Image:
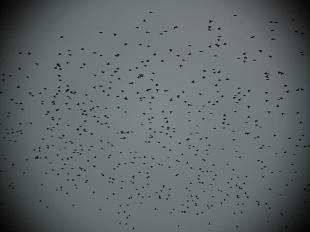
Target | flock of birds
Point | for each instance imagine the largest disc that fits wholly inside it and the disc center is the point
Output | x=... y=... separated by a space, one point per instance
x=145 y=130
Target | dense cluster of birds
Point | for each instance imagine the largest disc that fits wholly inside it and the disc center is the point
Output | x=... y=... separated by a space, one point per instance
x=141 y=128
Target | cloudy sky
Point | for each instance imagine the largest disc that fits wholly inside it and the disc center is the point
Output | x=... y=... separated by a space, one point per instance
x=154 y=115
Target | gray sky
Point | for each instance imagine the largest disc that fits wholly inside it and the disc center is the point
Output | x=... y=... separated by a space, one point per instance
x=154 y=116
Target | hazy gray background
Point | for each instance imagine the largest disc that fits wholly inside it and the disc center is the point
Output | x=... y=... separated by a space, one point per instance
x=37 y=27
